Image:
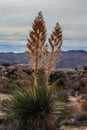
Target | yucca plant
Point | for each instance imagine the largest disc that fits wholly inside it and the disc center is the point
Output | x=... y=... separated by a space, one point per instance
x=34 y=108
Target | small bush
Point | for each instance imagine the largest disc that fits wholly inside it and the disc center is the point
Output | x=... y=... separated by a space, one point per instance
x=61 y=82
x=54 y=76
x=85 y=68
x=5 y=64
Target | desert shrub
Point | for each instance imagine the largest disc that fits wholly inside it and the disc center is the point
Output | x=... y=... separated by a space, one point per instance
x=85 y=68
x=61 y=82
x=6 y=64
x=54 y=76
x=12 y=78
x=34 y=108
x=12 y=71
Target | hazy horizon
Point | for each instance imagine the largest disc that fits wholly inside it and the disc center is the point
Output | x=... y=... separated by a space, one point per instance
x=16 y=18
x=22 y=48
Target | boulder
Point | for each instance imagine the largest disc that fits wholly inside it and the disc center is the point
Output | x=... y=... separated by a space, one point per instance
x=76 y=85
x=4 y=85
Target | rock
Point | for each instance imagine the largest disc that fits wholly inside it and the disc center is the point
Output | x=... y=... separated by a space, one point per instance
x=81 y=117
x=74 y=77
x=83 y=81
x=76 y=85
x=72 y=92
x=4 y=84
x=3 y=127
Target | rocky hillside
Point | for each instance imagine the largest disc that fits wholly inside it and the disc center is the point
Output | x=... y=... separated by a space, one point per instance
x=71 y=89
x=13 y=58
x=69 y=59
x=72 y=59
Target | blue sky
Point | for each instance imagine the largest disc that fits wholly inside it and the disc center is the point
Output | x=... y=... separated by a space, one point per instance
x=16 y=18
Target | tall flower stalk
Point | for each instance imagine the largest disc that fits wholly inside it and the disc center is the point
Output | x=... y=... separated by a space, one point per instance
x=36 y=40
x=43 y=54
x=55 y=43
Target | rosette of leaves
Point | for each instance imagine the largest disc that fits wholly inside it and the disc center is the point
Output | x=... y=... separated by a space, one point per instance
x=34 y=108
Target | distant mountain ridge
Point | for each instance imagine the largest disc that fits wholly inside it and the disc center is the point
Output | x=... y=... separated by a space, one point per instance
x=68 y=59
x=72 y=59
